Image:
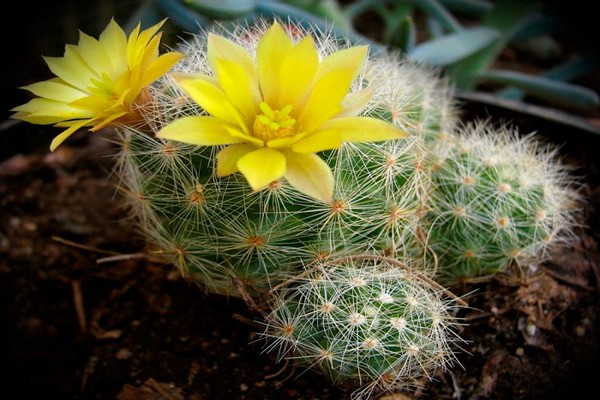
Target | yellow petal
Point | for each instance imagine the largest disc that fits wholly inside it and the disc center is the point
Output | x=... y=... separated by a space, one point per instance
x=262 y=166
x=325 y=99
x=160 y=66
x=71 y=68
x=205 y=91
x=141 y=44
x=310 y=175
x=298 y=69
x=227 y=159
x=148 y=53
x=44 y=111
x=113 y=38
x=352 y=58
x=65 y=134
x=236 y=133
x=363 y=129
x=235 y=83
x=96 y=104
x=94 y=54
x=99 y=123
x=355 y=102
x=281 y=142
x=322 y=140
x=198 y=130
x=271 y=50
x=55 y=89
x=220 y=48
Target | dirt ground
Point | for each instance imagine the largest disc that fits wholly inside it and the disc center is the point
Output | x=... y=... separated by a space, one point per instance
x=83 y=315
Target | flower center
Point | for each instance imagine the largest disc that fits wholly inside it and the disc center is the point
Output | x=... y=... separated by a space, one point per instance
x=273 y=124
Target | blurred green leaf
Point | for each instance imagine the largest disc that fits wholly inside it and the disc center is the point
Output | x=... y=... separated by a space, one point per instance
x=506 y=15
x=468 y=7
x=436 y=10
x=183 y=16
x=557 y=92
x=532 y=25
x=221 y=8
x=507 y=18
x=404 y=37
x=453 y=47
x=329 y=10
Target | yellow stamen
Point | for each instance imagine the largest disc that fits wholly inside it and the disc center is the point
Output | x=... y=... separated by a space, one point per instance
x=273 y=124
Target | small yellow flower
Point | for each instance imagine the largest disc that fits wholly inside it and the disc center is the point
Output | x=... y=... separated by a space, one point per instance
x=97 y=82
x=274 y=114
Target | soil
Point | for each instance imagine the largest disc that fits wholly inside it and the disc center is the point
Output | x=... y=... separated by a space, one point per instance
x=84 y=315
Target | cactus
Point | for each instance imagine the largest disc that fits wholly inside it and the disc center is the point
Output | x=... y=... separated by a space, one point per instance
x=497 y=197
x=368 y=322
x=217 y=228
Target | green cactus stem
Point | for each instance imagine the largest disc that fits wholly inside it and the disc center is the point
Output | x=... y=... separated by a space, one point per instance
x=497 y=197
x=216 y=228
x=369 y=322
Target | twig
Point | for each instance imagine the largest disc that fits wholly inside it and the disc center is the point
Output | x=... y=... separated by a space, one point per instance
x=246 y=321
x=122 y=257
x=90 y=366
x=239 y=285
x=295 y=278
x=79 y=308
x=114 y=256
x=82 y=246
x=276 y=374
x=566 y=279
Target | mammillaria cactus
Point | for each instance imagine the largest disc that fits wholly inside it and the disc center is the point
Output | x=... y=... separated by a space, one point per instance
x=219 y=227
x=279 y=164
x=496 y=197
x=370 y=321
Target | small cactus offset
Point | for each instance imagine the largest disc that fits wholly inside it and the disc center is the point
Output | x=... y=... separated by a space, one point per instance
x=365 y=321
x=497 y=197
x=326 y=186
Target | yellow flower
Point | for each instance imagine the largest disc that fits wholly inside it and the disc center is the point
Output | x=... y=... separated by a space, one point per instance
x=275 y=114
x=97 y=82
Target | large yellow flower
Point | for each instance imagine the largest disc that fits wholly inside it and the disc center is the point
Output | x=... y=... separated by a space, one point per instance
x=276 y=113
x=97 y=82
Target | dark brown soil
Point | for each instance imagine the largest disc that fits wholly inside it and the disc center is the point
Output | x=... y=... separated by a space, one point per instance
x=78 y=324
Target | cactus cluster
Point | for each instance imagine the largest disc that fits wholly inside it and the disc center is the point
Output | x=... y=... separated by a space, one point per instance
x=346 y=263
x=474 y=196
